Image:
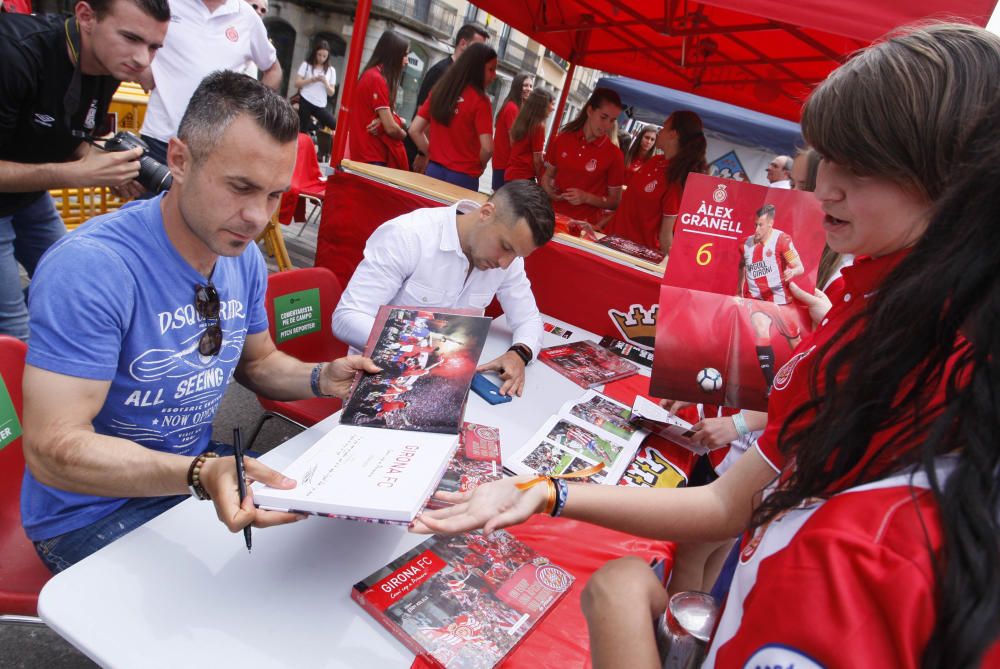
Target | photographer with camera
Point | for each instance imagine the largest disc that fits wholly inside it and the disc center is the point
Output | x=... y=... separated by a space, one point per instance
x=56 y=82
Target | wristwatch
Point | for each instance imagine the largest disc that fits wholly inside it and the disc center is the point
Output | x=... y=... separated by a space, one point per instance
x=523 y=352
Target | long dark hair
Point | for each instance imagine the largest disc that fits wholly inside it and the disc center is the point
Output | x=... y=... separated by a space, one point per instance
x=598 y=98
x=320 y=45
x=534 y=112
x=468 y=70
x=515 y=93
x=691 y=152
x=388 y=53
x=921 y=108
x=635 y=148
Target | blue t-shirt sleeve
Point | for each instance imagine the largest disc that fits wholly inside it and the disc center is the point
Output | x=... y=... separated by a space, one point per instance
x=257 y=276
x=80 y=304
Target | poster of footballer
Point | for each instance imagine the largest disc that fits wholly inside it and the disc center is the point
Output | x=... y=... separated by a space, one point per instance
x=727 y=318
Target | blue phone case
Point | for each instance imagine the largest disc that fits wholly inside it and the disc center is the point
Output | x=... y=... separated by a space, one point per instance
x=488 y=390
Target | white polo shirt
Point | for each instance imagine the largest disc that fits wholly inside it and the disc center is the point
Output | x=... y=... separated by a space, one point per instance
x=416 y=260
x=197 y=44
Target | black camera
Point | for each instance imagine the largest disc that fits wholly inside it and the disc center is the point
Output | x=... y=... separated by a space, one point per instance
x=153 y=175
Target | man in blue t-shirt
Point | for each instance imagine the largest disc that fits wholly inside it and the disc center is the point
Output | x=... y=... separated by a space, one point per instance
x=140 y=320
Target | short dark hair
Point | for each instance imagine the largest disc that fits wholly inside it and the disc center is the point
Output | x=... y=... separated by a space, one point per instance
x=526 y=199
x=767 y=210
x=158 y=9
x=223 y=96
x=469 y=30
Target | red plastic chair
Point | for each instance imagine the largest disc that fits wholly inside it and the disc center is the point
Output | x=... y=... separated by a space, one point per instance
x=22 y=573
x=308 y=185
x=316 y=346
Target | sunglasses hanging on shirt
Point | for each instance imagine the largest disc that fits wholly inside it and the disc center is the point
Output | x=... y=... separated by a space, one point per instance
x=206 y=303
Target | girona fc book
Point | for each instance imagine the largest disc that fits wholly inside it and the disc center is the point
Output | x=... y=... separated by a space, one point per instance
x=476 y=462
x=464 y=602
x=379 y=476
x=586 y=364
x=428 y=359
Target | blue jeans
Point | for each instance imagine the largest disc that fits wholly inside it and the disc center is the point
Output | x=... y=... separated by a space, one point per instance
x=67 y=549
x=24 y=236
x=498 y=179
x=439 y=171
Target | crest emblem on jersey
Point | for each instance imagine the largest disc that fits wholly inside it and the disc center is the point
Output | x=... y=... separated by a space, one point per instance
x=651 y=186
x=231 y=34
x=591 y=165
x=720 y=194
x=769 y=253
x=784 y=374
x=637 y=325
x=781 y=656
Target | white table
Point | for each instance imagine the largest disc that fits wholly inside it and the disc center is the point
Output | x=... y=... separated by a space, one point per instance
x=181 y=591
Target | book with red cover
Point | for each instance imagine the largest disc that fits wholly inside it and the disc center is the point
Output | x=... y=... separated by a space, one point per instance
x=476 y=462
x=586 y=364
x=464 y=602
x=634 y=249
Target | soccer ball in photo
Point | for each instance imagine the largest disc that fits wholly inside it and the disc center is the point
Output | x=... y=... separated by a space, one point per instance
x=709 y=379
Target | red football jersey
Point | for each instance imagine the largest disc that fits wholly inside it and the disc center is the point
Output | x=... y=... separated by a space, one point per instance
x=501 y=137
x=763 y=265
x=843 y=582
x=522 y=155
x=370 y=95
x=645 y=202
x=456 y=145
x=593 y=167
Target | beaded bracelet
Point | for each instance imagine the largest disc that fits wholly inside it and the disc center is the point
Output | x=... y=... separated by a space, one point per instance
x=741 y=424
x=194 y=476
x=562 y=494
x=314 y=380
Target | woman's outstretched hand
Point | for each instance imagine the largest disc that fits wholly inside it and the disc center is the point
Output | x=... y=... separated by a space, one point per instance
x=491 y=506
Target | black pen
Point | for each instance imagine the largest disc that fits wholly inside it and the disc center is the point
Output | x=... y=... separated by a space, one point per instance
x=241 y=477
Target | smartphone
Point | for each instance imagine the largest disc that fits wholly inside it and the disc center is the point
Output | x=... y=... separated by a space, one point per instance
x=488 y=390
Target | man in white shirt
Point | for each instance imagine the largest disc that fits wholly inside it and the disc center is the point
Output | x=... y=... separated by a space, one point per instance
x=779 y=172
x=456 y=257
x=204 y=36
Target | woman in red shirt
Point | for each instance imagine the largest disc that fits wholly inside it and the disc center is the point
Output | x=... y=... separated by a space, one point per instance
x=374 y=128
x=520 y=88
x=640 y=150
x=878 y=544
x=584 y=171
x=650 y=203
x=460 y=119
x=527 y=137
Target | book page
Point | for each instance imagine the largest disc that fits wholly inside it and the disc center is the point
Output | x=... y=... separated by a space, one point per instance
x=589 y=430
x=659 y=421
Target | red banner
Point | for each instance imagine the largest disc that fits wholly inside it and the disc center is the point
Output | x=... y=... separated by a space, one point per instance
x=727 y=320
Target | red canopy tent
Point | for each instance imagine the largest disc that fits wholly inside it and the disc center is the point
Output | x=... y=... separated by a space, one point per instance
x=765 y=55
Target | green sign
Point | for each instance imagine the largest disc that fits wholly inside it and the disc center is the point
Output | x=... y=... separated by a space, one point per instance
x=10 y=426
x=296 y=314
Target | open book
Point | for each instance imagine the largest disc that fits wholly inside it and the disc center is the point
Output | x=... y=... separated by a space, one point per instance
x=387 y=475
x=590 y=430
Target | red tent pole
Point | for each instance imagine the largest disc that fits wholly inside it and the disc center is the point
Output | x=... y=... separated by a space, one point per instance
x=562 y=101
x=350 y=80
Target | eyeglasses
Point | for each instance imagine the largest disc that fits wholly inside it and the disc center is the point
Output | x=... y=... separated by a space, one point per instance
x=260 y=8
x=206 y=303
